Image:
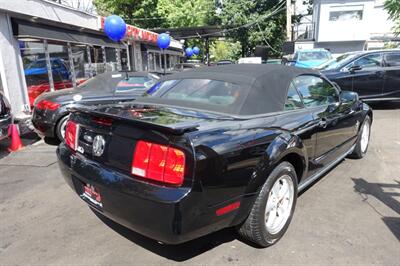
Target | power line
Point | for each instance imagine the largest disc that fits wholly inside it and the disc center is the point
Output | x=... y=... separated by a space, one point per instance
x=163 y=18
x=265 y=40
x=278 y=8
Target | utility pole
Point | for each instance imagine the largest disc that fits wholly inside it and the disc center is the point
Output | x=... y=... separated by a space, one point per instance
x=289 y=20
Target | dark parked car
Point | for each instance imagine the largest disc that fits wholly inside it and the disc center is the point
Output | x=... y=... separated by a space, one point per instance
x=374 y=75
x=212 y=148
x=225 y=62
x=186 y=66
x=51 y=110
x=5 y=116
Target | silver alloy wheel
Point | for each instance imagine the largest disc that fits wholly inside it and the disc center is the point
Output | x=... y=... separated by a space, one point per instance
x=62 y=128
x=279 y=204
x=365 y=136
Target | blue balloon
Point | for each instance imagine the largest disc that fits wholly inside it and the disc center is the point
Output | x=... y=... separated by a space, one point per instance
x=115 y=27
x=163 y=40
x=189 y=52
x=196 y=50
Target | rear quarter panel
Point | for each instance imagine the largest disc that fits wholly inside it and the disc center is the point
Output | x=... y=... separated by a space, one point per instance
x=234 y=160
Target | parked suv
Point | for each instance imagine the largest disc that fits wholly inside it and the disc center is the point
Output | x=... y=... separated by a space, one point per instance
x=5 y=116
x=374 y=75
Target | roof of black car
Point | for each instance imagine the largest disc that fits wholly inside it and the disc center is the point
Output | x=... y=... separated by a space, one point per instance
x=267 y=82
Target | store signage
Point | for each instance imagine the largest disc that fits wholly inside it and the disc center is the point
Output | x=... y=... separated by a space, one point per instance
x=135 y=33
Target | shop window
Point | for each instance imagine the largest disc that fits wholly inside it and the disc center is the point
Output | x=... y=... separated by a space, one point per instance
x=60 y=68
x=138 y=58
x=111 y=59
x=346 y=13
x=157 y=61
x=151 y=61
x=35 y=68
x=97 y=58
x=82 y=67
x=145 y=66
x=124 y=59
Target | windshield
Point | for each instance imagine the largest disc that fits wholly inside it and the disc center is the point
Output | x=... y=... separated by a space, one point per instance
x=314 y=55
x=337 y=62
x=41 y=63
x=37 y=64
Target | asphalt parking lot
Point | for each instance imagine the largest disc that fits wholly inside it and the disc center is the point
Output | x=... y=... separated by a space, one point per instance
x=350 y=216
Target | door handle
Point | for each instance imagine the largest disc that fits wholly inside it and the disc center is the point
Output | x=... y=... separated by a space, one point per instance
x=379 y=73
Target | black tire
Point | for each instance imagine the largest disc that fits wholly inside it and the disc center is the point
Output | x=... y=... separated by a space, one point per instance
x=358 y=153
x=254 y=228
x=59 y=127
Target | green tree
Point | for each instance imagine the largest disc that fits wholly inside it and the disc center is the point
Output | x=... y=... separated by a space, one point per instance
x=393 y=7
x=160 y=13
x=225 y=50
x=184 y=13
x=268 y=31
x=141 y=13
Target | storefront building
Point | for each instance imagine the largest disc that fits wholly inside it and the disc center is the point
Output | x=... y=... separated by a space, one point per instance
x=45 y=46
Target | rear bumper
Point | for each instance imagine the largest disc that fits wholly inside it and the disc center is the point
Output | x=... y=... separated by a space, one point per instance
x=44 y=124
x=170 y=215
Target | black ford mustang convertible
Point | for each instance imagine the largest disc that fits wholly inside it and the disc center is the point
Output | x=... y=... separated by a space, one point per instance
x=227 y=146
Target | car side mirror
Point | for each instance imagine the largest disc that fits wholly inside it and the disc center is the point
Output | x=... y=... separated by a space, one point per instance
x=348 y=96
x=355 y=68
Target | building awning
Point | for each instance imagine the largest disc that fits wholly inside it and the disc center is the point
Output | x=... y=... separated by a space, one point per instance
x=27 y=29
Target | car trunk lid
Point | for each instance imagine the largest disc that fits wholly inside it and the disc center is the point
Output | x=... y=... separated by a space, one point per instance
x=121 y=127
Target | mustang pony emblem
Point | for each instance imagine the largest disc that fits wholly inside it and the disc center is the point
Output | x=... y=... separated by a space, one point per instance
x=98 y=145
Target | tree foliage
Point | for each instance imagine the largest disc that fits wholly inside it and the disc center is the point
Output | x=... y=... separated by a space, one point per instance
x=393 y=8
x=270 y=31
x=160 y=13
x=189 y=13
x=145 y=10
x=184 y=13
x=225 y=50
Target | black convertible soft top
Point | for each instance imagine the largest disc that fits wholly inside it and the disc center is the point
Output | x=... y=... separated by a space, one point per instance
x=264 y=87
x=267 y=85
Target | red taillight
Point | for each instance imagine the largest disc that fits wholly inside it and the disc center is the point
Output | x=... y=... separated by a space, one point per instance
x=47 y=105
x=71 y=134
x=158 y=162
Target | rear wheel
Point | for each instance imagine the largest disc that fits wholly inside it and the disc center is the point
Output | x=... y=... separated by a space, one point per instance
x=273 y=209
x=60 y=128
x=362 y=144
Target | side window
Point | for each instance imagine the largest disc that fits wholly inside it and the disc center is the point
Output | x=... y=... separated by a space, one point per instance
x=293 y=100
x=316 y=91
x=392 y=59
x=368 y=61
